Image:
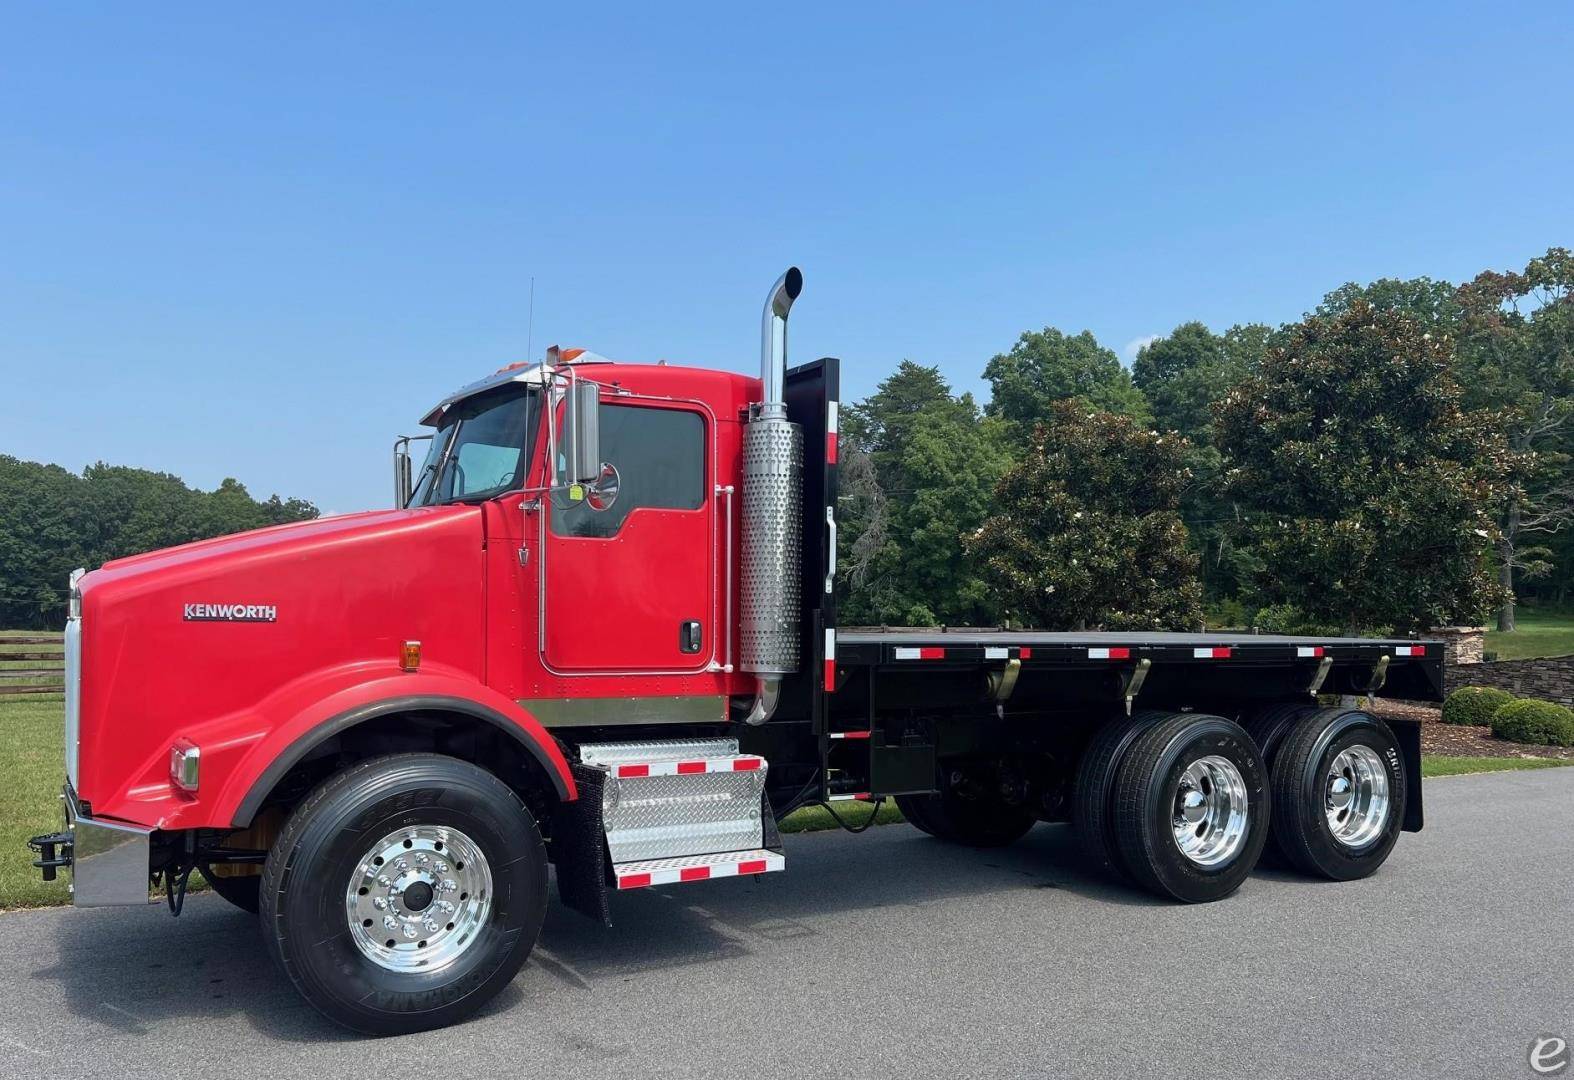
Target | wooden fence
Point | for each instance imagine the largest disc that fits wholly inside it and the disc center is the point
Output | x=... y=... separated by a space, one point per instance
x=31 y=664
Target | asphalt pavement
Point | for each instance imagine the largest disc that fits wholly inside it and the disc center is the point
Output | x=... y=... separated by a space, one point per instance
x=894 y=955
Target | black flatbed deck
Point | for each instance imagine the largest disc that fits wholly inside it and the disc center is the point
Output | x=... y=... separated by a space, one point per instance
x=1166 y=645
x=1412 y=665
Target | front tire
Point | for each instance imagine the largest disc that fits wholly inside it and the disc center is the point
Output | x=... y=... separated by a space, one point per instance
x=404 y=893
x=1338 y=794
x=1191 y=807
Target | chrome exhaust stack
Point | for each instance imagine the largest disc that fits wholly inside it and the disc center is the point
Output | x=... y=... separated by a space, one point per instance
x=771 y=581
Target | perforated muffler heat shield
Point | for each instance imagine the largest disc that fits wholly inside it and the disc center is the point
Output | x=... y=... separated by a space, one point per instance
x=768 y=603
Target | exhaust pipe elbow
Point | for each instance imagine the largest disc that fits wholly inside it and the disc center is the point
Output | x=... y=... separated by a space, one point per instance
x=765 y=700
x=773 y=343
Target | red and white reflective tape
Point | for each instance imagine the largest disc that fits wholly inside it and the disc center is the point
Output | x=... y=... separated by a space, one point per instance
x=1109 y=654
x=830 y=432
x=1410 y=650
x=830 y=661
x=1308 y=650
x=1212 y=652
x=851 y=734
x=994 y=652
x=745 y=763
x=860 y=796
x=675 y=875
x=927 y=652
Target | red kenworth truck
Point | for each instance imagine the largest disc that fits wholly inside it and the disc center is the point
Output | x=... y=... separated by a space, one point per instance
x=598 y=632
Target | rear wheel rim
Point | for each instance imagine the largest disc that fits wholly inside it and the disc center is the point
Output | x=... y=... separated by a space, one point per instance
x=1356 y=796
x=419 y=898
x=1210 y=814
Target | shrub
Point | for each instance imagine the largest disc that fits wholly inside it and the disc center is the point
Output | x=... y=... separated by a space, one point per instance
x=1474 y=705
x=1540 y=722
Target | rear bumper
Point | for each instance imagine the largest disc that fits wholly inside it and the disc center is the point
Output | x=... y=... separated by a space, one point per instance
x=107 y=860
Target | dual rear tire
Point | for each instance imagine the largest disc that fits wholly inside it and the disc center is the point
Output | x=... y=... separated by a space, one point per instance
x=1181 y=803
x=1175 y=802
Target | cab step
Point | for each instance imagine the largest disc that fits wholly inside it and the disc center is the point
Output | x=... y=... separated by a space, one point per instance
x=638 y=875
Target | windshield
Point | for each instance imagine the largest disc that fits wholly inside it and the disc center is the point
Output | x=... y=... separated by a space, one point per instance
x=480 y=447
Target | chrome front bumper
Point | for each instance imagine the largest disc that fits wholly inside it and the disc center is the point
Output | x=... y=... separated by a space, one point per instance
x=108 y=861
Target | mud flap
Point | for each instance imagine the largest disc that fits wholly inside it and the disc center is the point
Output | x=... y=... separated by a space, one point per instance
x=579 y=847
x=1408 y=733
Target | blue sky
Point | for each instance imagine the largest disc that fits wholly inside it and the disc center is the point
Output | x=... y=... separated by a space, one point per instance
x=261 y=242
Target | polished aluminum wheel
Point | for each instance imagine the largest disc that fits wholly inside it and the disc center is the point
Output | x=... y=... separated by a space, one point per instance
x=1355 y=794
x=1211 y=811
x=419 y=898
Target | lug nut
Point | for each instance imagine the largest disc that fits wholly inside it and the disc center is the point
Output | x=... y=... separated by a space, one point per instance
x=449 y=884
x=379 y=903
x=410 y=931
x=421 y=859
x=390 y=923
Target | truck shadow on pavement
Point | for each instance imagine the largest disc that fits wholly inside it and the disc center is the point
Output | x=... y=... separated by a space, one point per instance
x=142 y=973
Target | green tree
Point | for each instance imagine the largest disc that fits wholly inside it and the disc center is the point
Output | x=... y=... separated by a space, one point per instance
x=1183 y=374
x=1047 y=366
x=1088 y=533
x=1519 y=355
x=918 y=468
x=1434 y=304
x=1371 y=489
x=52 y=521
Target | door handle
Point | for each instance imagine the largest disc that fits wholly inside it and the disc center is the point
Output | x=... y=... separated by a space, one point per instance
x=690 y=636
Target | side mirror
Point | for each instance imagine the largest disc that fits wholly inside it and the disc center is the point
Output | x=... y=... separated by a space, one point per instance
x=582 y=432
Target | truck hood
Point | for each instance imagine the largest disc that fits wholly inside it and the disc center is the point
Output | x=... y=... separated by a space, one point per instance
x=190 y=640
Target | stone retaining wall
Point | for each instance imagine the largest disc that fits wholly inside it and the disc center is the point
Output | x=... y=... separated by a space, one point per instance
x=1548 y=678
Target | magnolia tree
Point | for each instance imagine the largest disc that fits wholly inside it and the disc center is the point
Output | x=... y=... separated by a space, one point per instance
x=1088 y=532
x=1370 y=490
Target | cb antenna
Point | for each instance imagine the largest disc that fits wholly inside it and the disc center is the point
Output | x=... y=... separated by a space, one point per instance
x=530 y=332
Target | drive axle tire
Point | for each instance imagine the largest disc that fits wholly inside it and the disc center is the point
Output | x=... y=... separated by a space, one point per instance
x=1269 y=727
x=1338 y=794
x=1191 y=807
x=978 y=821
x=1093 y=789
x=242 y=890
x=404 y=893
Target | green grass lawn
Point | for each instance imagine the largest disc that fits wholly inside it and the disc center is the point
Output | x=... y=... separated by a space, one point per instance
x=1540 y=634
x=1438 y=765
x=32 y=759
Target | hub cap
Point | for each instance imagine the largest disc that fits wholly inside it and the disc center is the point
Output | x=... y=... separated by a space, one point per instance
x=1210 y=811
x=1355 y=794
x=419 y=898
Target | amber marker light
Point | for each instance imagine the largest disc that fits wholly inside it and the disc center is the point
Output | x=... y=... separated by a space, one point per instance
x=410 y=655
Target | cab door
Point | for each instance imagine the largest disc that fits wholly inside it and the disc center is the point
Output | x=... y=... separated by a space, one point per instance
x=629 y=583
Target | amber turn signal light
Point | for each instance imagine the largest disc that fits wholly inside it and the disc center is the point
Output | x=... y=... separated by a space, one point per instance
x=410 y=655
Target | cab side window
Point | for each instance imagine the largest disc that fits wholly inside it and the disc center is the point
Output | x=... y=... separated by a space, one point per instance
x=660 y=458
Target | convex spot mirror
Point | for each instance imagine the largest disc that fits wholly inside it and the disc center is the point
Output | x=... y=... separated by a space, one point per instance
x=603 y=492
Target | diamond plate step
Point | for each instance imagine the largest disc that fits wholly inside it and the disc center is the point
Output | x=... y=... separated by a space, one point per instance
x=610 y=754
x=637 y=875
x=679 y=798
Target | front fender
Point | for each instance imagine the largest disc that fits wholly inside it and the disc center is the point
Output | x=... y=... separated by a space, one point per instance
x=272 y=757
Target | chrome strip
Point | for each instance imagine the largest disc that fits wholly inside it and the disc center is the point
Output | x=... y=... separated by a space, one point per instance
x=73 y=679
x=617 y=711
